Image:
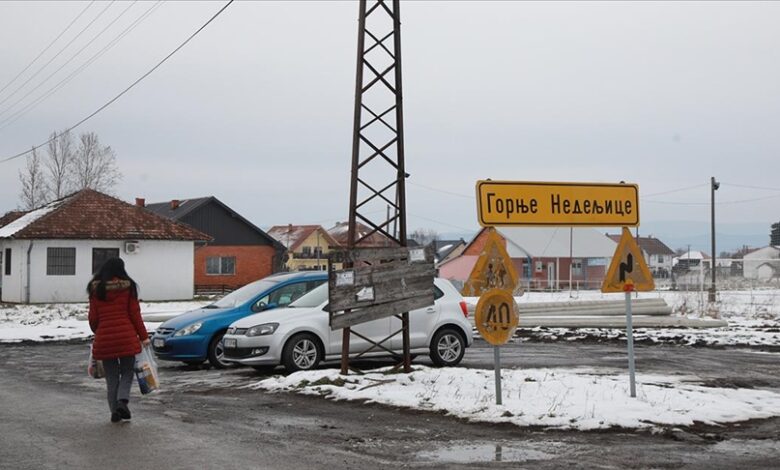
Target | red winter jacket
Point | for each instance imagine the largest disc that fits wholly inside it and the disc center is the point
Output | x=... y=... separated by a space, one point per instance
x=116 y=322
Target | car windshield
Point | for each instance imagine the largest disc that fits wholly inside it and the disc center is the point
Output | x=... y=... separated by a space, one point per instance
x=314 y=298
x=244 y=294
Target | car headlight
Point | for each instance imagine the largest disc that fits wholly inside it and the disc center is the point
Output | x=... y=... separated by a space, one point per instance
x=264 y=329
x=188 y=330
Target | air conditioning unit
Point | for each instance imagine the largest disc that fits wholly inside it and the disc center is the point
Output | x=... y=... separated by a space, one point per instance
x=131 y=248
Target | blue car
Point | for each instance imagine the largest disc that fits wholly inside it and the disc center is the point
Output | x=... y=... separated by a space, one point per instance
x=196 y=336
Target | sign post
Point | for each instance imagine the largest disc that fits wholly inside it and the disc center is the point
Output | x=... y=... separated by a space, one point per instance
x=627 y=273
x=630 y=336
x=496 y=320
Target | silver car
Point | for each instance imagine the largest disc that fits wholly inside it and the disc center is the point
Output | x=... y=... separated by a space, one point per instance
x=299 y=336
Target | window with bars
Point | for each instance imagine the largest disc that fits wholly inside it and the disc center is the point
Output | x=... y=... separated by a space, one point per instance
x=220 y=265
x=60 y=261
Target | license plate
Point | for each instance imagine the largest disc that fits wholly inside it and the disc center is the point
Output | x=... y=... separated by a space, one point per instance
x=158 y=342
x=229 y=343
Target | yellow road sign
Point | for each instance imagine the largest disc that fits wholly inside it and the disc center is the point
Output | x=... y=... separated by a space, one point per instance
x=493 y=269
x=559 y=204
x=496 y=316
x=628 y=270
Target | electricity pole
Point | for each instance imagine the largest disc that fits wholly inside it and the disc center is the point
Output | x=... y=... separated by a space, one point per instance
x=378 y=168
x=714 y=185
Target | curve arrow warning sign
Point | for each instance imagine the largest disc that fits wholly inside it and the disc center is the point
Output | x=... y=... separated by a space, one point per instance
x=628 y=270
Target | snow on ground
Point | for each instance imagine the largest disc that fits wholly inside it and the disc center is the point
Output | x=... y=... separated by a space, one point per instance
x=61 y=322
x=552 y=398
x=753 y=317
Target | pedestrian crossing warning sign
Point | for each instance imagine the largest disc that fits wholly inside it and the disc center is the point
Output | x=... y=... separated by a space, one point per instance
x=493 y=269
x=628 y=271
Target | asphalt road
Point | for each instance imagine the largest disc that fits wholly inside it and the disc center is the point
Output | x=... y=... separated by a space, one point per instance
x=52 y=417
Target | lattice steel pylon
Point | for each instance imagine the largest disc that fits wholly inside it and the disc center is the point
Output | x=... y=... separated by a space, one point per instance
x=378 y=171
x=377 y=196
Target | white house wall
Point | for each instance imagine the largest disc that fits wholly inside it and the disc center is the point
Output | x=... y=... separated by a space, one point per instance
x=162 y=269
x=752 y=261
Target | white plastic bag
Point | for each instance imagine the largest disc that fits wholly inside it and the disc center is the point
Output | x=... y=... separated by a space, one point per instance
x=146 y=371
x=95 y=367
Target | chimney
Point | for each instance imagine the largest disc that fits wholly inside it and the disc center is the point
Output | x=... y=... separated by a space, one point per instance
x=140 y=202
x=174 y=204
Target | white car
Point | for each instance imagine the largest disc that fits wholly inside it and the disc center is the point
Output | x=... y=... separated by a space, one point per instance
x=299 y=336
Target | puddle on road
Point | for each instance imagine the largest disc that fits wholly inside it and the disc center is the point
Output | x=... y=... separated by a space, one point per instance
x=749 y=447
x=490 y=452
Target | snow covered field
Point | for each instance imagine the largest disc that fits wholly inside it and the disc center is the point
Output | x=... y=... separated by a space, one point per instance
x=61 y=322
x=582 y=399
x=753 y=317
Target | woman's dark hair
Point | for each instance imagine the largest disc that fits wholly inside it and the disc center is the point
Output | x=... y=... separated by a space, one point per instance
x=113 y=268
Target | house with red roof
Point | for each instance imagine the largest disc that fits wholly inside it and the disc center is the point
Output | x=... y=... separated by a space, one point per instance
x=307 y=246
x=49 y=254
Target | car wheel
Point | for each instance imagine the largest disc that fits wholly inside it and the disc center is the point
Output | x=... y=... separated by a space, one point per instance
x=302 y=352
x=216 y=352
x=447 y=348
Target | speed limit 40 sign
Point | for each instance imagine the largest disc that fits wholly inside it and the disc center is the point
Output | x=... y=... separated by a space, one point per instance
x=496 y=316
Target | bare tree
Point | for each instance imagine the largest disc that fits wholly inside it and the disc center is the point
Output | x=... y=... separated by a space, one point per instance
x=424 y=236
x=58 y=165
x=34 y=187
x=94 y=165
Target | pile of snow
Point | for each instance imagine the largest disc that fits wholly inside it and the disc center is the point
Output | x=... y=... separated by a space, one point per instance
x=552 y=398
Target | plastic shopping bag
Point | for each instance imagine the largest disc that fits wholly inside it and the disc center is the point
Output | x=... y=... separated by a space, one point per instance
x=95 y=367
x=146 y=371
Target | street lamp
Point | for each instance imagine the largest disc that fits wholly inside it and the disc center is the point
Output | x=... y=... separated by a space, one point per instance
x=714 y=185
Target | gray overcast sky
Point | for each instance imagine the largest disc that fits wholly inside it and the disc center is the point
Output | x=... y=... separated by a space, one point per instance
x=257 y=109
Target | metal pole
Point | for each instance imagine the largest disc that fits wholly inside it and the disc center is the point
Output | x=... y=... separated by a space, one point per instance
x=630 y=337
x=713 y=186
x=497 y=363
x=571 y=256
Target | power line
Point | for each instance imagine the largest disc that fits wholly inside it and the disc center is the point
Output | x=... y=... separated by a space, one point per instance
x=440 y=190
x=676 y=190
x=47 y=47
x=9 y=120
x=718 y=203
x=751 y=187
x=57 y=54
x=110 y=102
x=100 y=33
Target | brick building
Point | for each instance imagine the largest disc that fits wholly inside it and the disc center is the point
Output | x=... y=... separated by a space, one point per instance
x=239 y=253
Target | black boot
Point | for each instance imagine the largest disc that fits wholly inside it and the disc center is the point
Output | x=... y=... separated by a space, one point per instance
x=123 y=410
x=115 y=418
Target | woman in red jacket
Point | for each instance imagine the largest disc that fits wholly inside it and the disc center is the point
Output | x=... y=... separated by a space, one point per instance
x=115 y=318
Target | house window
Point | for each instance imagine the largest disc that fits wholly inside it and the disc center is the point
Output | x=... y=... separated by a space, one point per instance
x=539 y=266
x=306 y=251
x=101 y=255
x=60 y=261
x=221 y=265
x=576 y=267
x=526 y=270
x=7 y=261
x=660 y=258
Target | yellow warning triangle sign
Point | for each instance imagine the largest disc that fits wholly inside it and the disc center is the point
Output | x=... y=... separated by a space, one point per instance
x=493 y=269
x=628 y=270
